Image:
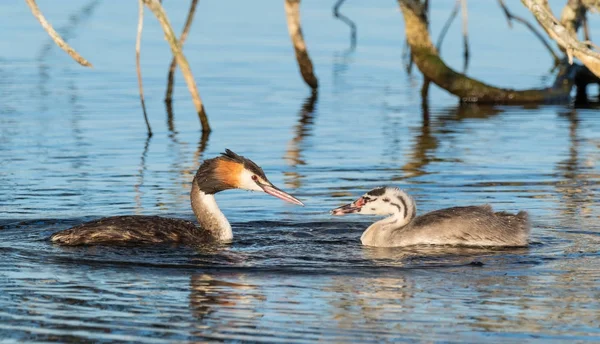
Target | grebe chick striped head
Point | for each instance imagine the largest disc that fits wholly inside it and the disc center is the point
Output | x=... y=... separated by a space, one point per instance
x=233 y=171
x=385 y=200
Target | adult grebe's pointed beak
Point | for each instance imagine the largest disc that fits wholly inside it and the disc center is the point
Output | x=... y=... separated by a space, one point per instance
x=276 y=192
x=350 y=208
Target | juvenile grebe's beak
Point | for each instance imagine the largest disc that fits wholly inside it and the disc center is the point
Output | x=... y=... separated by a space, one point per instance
x=351 y=208
x=276 y=192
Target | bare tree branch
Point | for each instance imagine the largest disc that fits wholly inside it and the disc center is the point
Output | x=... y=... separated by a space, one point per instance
x=292 y=10
x=510 y=16
x=160 y=14
x=184 y=34
x=138 y=44
x=449 y=21
x=348 y=21
x=55 y=36
x=564 y=38
x=465 y=31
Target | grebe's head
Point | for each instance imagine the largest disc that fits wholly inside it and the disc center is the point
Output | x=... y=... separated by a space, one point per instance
x=232 y=171
x=385 y=200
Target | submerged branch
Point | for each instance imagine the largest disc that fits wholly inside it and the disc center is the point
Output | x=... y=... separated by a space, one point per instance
x=292 y=10
x=184 y=34
x=55 y=36
x=348 y=21
x=138 y=44
x=160 y=14
x=565 y=39
x=510 y=16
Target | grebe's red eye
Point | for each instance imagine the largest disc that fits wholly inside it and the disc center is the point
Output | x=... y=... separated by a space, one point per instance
x=254 y=177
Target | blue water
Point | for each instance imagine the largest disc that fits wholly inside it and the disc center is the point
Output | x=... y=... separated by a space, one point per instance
x=73 y=148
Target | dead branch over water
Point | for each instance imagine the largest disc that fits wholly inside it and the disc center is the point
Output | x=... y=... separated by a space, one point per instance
x=138 y=41
x=467 y=89
x=348 y=21
x=184 y=34
x=292 y=10
x=160 y=14
x=55 y=36
x=563 y=36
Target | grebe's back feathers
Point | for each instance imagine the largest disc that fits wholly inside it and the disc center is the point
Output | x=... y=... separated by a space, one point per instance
x=127 y=230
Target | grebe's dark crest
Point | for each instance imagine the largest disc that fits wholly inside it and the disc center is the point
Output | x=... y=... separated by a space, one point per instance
x=466 y=226
x=228 y=171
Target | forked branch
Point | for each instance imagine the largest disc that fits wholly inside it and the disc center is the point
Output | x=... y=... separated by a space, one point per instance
x=184 y=34
x=160 y=14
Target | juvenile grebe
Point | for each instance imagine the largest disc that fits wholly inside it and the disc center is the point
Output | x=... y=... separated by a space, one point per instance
x=228 y=171
x=466 y=226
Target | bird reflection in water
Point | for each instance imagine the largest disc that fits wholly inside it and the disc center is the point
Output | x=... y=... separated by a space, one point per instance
x=219 y=305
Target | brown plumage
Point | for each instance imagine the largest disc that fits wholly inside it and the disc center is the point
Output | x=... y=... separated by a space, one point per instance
x=224 y=172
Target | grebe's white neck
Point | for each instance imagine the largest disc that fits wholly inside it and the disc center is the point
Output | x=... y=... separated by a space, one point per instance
x=208 y=214
x=403 y=209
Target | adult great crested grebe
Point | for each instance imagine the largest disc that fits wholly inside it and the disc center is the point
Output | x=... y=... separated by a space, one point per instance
x=465 y=226
x=228 y=171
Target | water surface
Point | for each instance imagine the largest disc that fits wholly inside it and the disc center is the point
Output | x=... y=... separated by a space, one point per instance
x=73 y=148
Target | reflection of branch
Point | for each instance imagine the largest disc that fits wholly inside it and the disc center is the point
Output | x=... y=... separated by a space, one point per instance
x=55 y=36
x=510 y=16
x=564 y=38
x=140 y=183
x=348 y=21
x=302 y=129
x=293 y=155
x=449 y=21
x=160 y=14
x=138 y=40
x=184 y=34
x=292 y=10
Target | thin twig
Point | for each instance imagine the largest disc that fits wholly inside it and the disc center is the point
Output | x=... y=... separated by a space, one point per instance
x=338 y=15
x=510 y=16
x=465 y=30
x=138 y=43
x=55 y=36
x=449 y=21
x=184 y=34
x=160 y=14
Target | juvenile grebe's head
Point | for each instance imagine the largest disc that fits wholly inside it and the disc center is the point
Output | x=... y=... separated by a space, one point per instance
x=232 y=171
x=385 y=200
